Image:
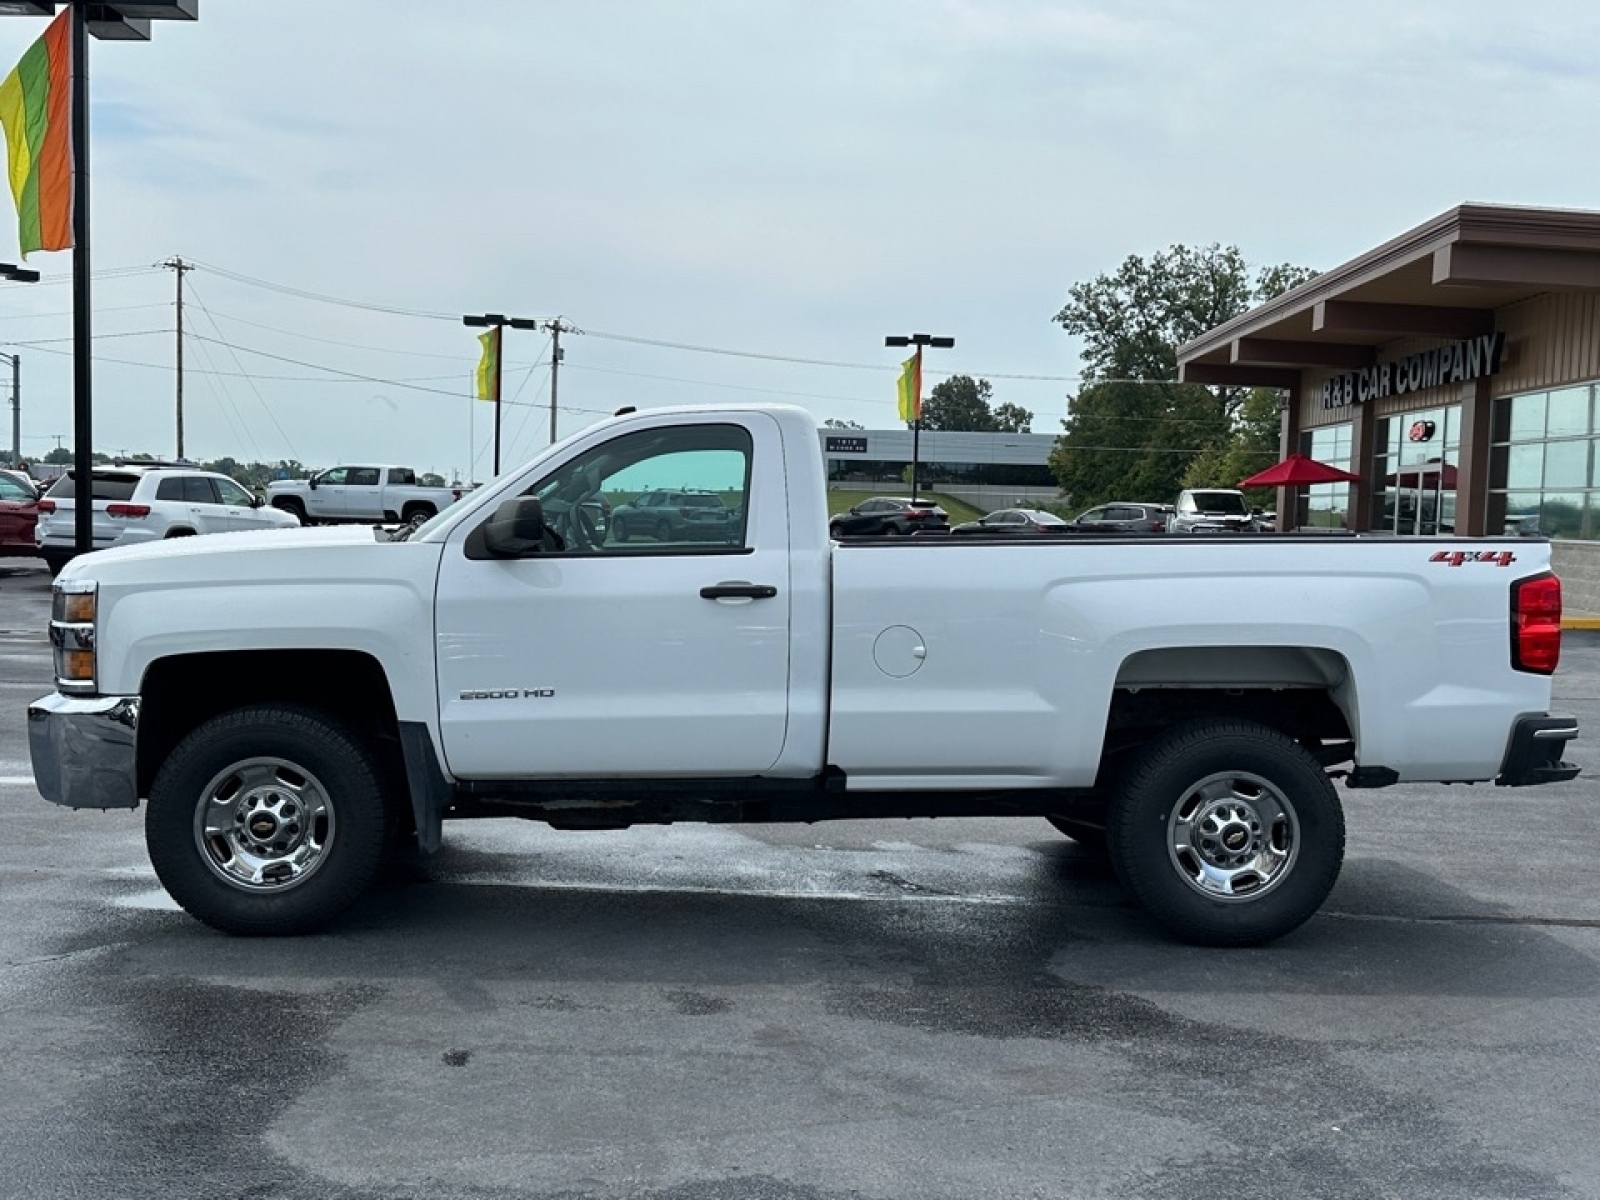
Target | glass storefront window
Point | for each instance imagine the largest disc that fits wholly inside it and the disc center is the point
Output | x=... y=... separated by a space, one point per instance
x=1567 y=413
x=1527 y=417
x=1566 y=464
x=1525 y=466
x=1541 y=464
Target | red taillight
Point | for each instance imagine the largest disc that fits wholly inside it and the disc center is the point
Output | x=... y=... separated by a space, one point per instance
x=133 y=511
x=47 y=506
x=1157 y=526
x=1536 y=624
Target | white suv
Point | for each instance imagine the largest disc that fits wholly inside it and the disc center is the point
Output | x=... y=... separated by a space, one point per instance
x=145 y=502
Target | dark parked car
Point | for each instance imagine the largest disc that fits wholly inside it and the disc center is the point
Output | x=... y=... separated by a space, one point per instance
x=19 y=513
x=675 y=516
x=1123 y=517
x=1023 y=521
x=889 y=515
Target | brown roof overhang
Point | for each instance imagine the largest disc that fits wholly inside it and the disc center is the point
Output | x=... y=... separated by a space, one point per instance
x=1445 y=278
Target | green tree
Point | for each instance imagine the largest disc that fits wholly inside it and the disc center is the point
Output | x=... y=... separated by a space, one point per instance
x=1011 y=418
x=1133 y=432
x=960 y=402
x=963 y=403
x=1254 y=446
x=836 y=423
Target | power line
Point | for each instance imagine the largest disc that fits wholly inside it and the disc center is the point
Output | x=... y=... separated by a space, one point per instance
x=303 y=294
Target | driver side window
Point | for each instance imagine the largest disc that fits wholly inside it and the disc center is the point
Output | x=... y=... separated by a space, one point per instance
x=676 y=490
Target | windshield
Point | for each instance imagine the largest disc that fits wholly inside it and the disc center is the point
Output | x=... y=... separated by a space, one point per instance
x=1220 y=502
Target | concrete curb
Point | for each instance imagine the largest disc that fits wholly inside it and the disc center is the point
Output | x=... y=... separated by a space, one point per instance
x=1580 y=621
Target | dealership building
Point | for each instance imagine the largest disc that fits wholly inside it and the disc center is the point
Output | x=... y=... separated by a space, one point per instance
x=1454 y=369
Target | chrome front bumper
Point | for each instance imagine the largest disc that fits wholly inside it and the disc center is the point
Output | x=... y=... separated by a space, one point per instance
x=82 y=750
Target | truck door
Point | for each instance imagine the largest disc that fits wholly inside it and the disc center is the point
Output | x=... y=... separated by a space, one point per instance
x=363 y=494
x=588 y=656
x=327 y=499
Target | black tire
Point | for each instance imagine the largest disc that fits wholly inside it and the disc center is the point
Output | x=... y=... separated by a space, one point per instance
x=294 y=508
x=1190 y=796
x=619 y=530
x=416 y=514
x=297 y=825
x=663 y=531
x=1089 y=836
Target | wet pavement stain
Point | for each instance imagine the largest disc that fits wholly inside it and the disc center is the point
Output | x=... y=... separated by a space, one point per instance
x=1298 y=1121
x=697 y=1004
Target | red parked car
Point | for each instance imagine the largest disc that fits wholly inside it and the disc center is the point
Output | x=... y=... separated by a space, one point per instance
x=19 y=513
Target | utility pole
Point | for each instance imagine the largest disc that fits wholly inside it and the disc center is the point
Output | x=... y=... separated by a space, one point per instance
x=16 y=407
x=556 y=327
x=182 y=268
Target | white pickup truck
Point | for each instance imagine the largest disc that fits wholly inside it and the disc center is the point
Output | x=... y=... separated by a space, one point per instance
x=360 y=495
x=293 y=705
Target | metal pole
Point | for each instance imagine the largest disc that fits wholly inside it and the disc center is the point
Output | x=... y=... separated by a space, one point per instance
x=16 y=409
x=82 y=364
x=180 y=266
x=499 y=352
x=916 y=427
x=555 y=372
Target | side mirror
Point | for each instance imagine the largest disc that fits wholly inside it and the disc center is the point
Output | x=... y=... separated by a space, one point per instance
x=517 y=528
x=312 y=483
x=257 y=500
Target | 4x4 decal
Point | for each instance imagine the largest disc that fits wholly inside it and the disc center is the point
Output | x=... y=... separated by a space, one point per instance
x=1454 y=558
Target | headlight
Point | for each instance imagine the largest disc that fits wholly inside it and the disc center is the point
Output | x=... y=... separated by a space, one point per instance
x=74 y=606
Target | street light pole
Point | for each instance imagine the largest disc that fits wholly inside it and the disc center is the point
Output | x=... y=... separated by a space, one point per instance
x=919 y=340
x=498 y=323
x=107 y=20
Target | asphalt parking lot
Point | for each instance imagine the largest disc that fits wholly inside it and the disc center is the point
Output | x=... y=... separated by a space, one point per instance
x=880 y=1010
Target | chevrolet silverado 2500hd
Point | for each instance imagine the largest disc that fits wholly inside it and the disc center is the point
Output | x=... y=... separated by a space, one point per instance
x=289 y=705
x=371 y=495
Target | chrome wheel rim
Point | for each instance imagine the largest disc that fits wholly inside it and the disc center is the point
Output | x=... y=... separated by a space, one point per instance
x=264 y=825
x=1233 y=836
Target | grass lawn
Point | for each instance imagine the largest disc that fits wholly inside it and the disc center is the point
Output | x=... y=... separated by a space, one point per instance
x=959 y=510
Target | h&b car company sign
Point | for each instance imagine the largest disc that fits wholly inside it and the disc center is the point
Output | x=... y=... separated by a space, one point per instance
x=1455 y=363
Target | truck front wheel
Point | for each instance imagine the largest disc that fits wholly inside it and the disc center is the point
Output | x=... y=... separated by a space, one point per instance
x=294 y=508
x=1227 y=832
x=267 y=820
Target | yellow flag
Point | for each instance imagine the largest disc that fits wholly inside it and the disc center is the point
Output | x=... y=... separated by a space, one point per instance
x=489 y=366
x=910 y=388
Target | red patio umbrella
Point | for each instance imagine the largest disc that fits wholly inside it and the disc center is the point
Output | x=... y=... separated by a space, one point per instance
x=1297 y=469
x=1435 y=474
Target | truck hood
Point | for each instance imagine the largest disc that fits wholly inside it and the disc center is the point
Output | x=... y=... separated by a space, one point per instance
x=221 y=555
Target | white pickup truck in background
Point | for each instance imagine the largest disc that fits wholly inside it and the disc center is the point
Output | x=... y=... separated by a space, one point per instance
x=291 y=705
x=361 y=495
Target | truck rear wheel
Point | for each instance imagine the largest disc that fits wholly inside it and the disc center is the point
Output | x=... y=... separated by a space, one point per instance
x=267 y=820
x=1227 y=832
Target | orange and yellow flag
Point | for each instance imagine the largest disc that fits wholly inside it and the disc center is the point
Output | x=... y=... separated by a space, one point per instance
x=36 y=113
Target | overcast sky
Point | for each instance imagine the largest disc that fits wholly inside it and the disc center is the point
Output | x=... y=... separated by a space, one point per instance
x=789 y=181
